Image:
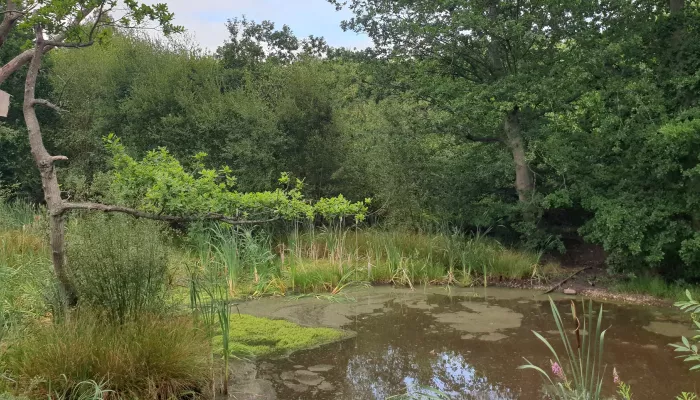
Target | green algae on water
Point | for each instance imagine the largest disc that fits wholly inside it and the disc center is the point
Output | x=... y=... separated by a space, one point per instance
x=263 y=337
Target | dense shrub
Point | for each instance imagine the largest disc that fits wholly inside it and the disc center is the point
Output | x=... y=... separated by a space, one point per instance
x=119 y=264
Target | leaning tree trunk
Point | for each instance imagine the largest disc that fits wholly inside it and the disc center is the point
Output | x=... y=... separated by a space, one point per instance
x=511 y=126
x=523 y=176
x=49 y=181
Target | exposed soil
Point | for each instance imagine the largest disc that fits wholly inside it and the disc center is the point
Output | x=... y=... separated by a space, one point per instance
x=593 y=281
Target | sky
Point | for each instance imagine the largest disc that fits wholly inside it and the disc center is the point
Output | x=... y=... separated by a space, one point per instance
x=206 y=19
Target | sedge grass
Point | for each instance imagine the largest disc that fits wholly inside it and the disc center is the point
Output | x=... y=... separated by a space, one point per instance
x=150 y=357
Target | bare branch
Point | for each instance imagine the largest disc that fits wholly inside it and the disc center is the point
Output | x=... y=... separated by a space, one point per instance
x=168 y=218
x=16 y=63
x=24 y=57
x=483 y=139
x=98 y=17
x=48 y=104
x=11 y=16
x=66 y=44
x=59 y=158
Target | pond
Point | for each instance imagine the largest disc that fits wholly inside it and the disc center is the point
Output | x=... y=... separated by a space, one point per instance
x=465 y=342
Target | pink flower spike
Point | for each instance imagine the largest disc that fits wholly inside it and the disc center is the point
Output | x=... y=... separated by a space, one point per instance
x=616 y=377
x=557 y=370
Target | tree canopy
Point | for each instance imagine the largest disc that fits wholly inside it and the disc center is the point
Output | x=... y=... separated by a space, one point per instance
x=549 y=122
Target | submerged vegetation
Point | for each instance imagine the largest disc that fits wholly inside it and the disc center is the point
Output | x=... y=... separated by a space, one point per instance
x=260 y=337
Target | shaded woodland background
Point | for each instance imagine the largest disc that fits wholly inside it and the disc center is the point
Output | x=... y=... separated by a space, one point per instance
x=549 y=123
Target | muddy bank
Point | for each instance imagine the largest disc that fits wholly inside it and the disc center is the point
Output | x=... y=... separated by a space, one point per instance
x=586 y=284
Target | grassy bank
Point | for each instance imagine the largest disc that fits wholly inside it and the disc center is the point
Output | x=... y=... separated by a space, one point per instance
x=327 y=260
x=656 y=287
x=155 y=318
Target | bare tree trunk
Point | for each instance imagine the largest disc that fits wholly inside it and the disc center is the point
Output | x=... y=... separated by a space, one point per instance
x=494 y=52
x=523 y=177
x=11 y=16
x=49 y=181
x=676 y=5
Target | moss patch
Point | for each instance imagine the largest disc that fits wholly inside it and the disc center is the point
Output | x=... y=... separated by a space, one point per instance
x=262 y=337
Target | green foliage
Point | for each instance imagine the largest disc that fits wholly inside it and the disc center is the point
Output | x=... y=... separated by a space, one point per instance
x=16 y=171
x=607 y=104
x=624 y=390
x=251 y=43
x=17 y=214
x=53 y=16
x=224 y=315
x=147 y=358
x=657 y=287
x=119 y=264
x=687 y=346
x=160 y=184
x=25 y=267
x=583 y=374
x=318 y=261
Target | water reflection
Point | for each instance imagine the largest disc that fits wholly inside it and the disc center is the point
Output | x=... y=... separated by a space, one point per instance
x=379 y=375
x=411 y=344
x=453 y=375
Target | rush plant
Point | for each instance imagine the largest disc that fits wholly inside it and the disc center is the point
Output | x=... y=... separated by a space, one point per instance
x=578 y=375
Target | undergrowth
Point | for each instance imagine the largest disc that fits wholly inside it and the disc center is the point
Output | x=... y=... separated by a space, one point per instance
x=151 y=357
x=657 y=287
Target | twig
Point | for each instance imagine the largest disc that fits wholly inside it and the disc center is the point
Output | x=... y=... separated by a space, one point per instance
x=553 y=288
x=68 y=44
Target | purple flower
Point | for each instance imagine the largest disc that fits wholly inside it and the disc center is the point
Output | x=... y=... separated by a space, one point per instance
x=616 y=377
x=557 y=370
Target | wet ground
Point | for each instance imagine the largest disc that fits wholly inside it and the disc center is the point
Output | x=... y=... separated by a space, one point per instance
x=467 y=343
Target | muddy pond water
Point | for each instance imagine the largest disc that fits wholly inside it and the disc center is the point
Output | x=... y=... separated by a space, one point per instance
x=467 y=343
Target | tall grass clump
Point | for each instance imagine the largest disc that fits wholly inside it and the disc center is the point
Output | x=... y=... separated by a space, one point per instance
x=147 y=357
x=119 y=264
x=25 y=266
x=657 y=286
x=317 y=257
x=580 y=374
x=16 y=214
x=243 y=253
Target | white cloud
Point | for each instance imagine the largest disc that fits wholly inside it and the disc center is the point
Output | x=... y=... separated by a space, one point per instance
x=205 y=19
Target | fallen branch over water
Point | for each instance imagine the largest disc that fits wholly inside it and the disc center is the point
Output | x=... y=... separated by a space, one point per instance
x=553 y=288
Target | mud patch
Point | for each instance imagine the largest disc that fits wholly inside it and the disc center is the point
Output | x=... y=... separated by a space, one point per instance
x=670 y=329
x=482 y=318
